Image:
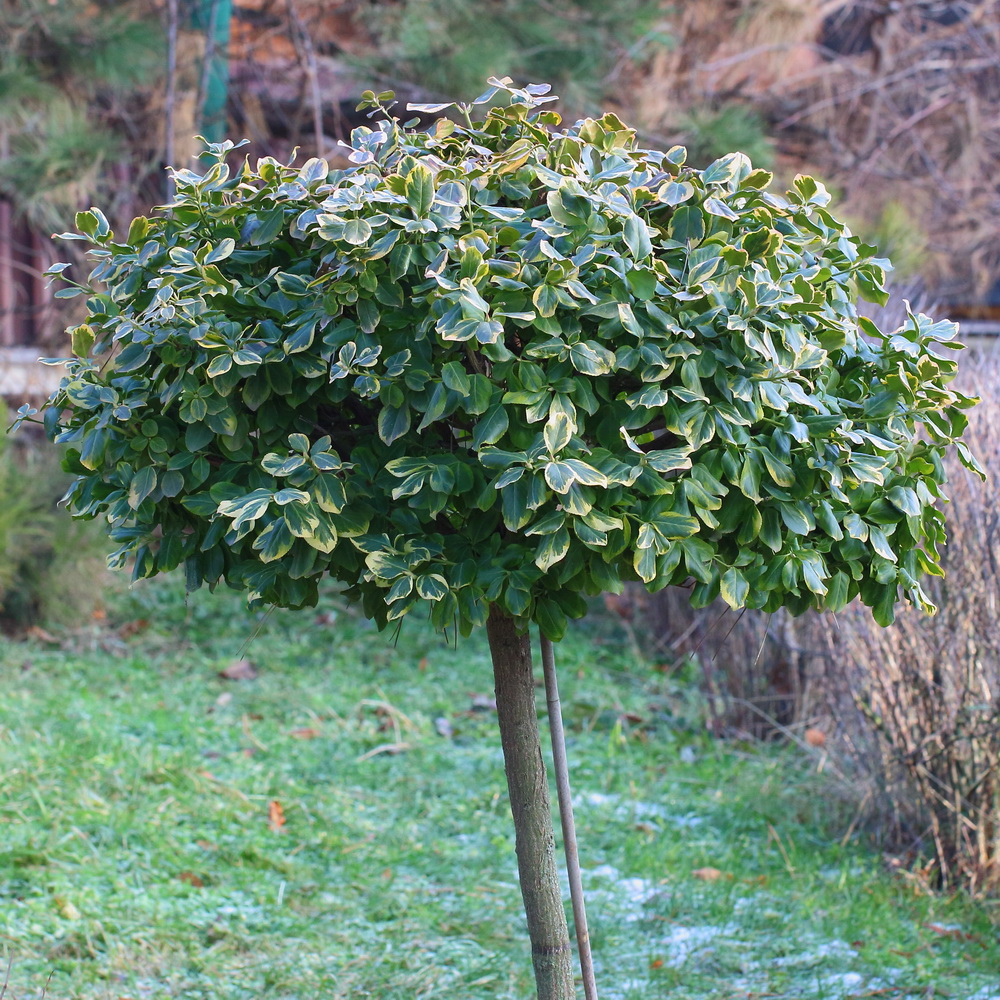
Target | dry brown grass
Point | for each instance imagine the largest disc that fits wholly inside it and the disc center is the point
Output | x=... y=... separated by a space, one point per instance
x=917 y=706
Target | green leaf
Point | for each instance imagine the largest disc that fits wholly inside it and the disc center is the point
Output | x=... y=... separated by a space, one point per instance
x=776 y=469
x=558 y=432
x=274 y=541
x=551 y=619
x=393 y=423
x=420 y=190
x=637 y=237
x=219 y=365
x=553 y=549
x=559 y=476
x=546 y=300
x=688 y=225
x=456 y=378
x=357 y=232
x=143 y=483
x=733 y=588
x=491 y=427
x=432 y=586
x=904 y=498
x=301 y=519
x=328 y=491
x=644 y=563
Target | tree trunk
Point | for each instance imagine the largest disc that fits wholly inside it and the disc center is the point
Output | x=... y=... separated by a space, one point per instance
x=551 y=952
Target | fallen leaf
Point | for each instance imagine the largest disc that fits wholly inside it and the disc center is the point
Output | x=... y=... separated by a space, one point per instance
x=239 y=670
x=657 y=963
x=950 y=931
x=275 y=816
x=207 y=845
x=35 y=632
x=191 y=879
x=815 y=737
x=133 y=628
x=707 y=874
x=66 y=909
x=99 y=615
x=308 y=733
x=422 y=665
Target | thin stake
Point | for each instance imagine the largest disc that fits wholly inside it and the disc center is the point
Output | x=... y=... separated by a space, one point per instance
x=173 y=17
x=561 y=770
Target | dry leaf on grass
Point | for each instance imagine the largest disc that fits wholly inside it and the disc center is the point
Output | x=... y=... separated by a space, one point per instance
x=307 y=733
x=191 y=879
x=275 y=816
x=40 y=635
x=815 y=737
x=709 y=874
x=239 y=670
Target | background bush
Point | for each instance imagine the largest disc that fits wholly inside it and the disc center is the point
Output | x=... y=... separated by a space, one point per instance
x=50 y=565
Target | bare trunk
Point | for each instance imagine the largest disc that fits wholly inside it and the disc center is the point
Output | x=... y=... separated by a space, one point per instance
x=551 y=952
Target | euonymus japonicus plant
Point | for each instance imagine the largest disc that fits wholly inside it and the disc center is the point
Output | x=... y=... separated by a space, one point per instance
x=505 y=364
x=511 y=363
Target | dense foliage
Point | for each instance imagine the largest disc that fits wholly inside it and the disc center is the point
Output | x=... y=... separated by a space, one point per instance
x=511 y=362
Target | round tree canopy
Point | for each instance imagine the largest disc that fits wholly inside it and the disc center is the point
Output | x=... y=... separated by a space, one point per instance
x=505 y=361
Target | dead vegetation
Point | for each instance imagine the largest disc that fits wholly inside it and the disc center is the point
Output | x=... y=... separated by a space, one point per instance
x=888 y=102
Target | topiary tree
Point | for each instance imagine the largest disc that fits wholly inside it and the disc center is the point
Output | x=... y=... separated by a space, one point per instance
x=496 y=367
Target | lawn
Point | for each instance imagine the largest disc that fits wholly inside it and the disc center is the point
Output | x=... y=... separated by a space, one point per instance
x=337 y=826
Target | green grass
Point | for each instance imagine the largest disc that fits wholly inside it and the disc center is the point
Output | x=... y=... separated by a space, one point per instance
x=137 y=859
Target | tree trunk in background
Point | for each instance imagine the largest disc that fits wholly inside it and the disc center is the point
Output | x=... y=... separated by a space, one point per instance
x=551 y=952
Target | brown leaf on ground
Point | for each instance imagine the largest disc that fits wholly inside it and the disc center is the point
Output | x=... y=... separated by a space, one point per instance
x=133 y=628
x=307 y=733
x=40 y=635
x=955 y=933
x=709 y=874
x=815 y=737
x=239 y=670
x=191 y=879
x=275 y=816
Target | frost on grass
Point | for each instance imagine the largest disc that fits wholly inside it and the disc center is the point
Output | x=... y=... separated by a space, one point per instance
x=622 y=808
